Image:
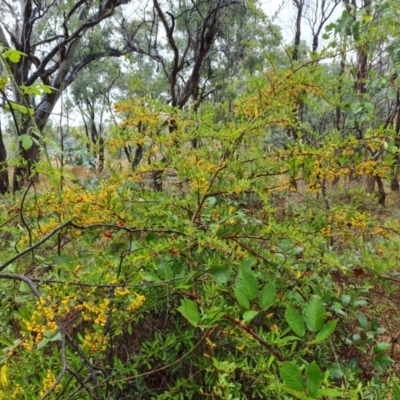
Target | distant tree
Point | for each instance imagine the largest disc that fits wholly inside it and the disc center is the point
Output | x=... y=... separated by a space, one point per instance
x=51 y=35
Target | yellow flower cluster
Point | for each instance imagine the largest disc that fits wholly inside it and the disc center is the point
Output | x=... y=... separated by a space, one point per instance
x=358 y=221
x=17 y=392
x=114 y=145
x=366 y=168
x=122 y=291
x=326 y=231
x=42 y=320
x=85 y=207
x=96 y=313
x=44 y=228
x=281 y=93
x=137 y=302
x=48 y=382
x=94 y=341
x=200 y=184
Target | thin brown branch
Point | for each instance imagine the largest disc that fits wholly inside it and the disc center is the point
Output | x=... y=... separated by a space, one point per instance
x=257 y=337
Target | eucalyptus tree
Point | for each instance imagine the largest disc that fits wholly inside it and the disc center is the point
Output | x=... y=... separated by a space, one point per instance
x=196 y=50
x=50 y=34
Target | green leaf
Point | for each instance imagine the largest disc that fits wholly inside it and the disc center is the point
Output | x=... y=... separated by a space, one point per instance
x=43 y=343
x=151 y=236
x=26 y=141
x=362 y=319
x=396 y=391
x=292 y=376
x=369 y=107
x=56 y=337
x=211 y=318
x=337 y=371
x=13 y=55
x=22 y=109
x=296 y=394
x=5 y=341
x=246 y=282
x=314 y=378
x=314 y=314
x=329 y=393
x=164 y=271
x=295 y=321
x=211 y=201
x=249 y=315
x=242 y=298
x=189 y=310
x=268 y=295
x=359 y=303
x=24 y=288
x=383 y=359
x=221 y=273
x=325 y=332
x=381 y=347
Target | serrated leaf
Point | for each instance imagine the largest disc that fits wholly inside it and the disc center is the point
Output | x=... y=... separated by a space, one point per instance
x=292 y=376
x=242 y=298
x=325 y=332
x=188 y=309
x=314 y=314
x=164 y=271
x=221 y=273
x=268 y=295
x=337 y=371
x=295 y=321
x=314 y=378
x=249 y=315
x=246 y=281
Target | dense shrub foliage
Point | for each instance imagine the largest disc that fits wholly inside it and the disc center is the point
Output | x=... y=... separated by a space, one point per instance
x=234 y=253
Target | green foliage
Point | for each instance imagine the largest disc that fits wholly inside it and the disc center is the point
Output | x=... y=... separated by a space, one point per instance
x=228 y=283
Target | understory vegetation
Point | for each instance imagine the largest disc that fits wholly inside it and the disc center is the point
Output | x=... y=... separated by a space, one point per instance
x=236 y=244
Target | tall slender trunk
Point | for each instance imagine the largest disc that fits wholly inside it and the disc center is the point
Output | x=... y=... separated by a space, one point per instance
x=4 y=183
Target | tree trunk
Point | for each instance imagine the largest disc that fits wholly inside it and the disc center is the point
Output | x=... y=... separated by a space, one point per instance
x=299 y=4
x=369 y=184
x=381 y=191
x=4 y=184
